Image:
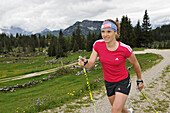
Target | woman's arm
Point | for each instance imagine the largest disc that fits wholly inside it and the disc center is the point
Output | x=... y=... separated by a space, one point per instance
x=132 y=59
x=91 y=61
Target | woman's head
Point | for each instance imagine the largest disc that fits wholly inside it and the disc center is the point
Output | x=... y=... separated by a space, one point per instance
x=112 y=25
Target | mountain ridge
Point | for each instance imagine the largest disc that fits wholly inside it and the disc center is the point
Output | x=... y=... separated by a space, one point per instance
x=85 y=26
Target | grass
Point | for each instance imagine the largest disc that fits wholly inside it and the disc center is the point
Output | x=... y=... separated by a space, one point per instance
x=160 y=103
x=35 y=64
x=146 y=61
x=139 y=49
x=61 y=90
x=31 y=64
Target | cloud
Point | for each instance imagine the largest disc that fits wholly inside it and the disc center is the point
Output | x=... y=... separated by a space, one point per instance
x=36 y=15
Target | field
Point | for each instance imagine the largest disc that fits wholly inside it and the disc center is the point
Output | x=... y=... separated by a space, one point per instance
x=62 y=89
x=15 y=66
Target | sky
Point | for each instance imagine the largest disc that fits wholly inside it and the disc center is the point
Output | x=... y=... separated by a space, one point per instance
x=36 y=15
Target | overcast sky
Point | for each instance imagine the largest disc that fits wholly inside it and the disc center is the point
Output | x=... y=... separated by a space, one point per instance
x=36 y=15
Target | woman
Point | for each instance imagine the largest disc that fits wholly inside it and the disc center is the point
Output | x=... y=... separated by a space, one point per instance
x=112 y=55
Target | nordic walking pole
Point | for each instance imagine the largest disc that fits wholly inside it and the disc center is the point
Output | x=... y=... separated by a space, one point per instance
x=88 y=85
x=149 y=101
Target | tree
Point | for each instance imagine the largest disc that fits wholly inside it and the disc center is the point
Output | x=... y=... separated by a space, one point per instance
x=83 y=44
x=78 y=37
x=34 y=42
x=62 y=41
x=117 y=20
x=138 y=35
x=126 y=31
x=89 y=42
x=146 y=30
x=59 y=50
x=73 y=39
x=69 y=43
x=52 y=47
x=75 y=47
x=168 y=44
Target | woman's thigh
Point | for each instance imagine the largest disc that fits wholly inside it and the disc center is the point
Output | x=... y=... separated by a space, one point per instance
x=111 y=99
x=119 y=100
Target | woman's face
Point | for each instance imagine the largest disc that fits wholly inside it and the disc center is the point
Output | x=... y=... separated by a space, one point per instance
x=108 y=35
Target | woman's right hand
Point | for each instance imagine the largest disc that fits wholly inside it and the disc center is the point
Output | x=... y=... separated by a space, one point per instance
x=81 y=62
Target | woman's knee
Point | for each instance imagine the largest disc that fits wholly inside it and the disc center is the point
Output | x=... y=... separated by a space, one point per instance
x=116 y=109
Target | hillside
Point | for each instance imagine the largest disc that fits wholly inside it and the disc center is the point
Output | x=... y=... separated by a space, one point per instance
x=85 y=26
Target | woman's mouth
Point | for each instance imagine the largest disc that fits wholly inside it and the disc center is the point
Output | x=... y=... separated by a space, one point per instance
x=106 y=38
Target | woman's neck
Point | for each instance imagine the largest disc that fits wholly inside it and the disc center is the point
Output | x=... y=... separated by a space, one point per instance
x=112 y=46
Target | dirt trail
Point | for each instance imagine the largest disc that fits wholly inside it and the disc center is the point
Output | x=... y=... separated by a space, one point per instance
x=35 y=74
x=155 y=89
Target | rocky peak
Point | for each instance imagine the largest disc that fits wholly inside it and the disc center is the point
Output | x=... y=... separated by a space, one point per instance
x=85 y=26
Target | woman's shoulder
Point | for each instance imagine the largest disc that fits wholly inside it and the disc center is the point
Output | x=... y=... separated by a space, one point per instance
x=125 y=46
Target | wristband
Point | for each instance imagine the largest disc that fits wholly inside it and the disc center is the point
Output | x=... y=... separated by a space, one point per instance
x=85 y=62
x=138 y=82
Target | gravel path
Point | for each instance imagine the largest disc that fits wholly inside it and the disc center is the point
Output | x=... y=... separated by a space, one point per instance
x=155 y=90
x=34 y=74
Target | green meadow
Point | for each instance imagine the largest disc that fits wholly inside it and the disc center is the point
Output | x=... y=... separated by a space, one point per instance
x=31 y=64
x=62 y=89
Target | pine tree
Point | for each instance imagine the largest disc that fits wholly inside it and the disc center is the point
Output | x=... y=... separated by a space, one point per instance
x=73 y=39
x=146 y=30
x=59 y=50
x=76 y=46
x=68 y=42
x=83 y=44
x=78 y=37
x=1 y=46
x=138 y=33
x=3 y=43
x=62 y=41
x=52 y=47
x=34 y=42
x=13 y=41
x=168 y=44
x=89 y=42
x=117 y=20
x=126 y=31
x=38 y=40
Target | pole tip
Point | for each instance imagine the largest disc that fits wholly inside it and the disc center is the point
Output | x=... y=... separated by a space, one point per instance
x=80 y=57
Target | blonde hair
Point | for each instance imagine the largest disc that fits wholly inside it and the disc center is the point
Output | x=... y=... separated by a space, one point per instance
x=118 y=26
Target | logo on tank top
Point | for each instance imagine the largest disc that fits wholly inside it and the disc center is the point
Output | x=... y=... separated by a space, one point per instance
x=117 y=59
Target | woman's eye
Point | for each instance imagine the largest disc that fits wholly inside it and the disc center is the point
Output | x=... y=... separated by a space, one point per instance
x=108 y=31
x=102 y=31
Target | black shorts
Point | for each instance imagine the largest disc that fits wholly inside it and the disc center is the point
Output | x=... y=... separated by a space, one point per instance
x=122 y=86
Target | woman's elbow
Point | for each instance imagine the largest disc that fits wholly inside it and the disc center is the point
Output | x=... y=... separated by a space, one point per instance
x=136 y=65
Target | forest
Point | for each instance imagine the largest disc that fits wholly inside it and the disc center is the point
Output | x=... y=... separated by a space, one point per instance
x=142 y=35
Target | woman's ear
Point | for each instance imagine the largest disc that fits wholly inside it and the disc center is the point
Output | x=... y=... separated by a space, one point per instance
x=116 y=35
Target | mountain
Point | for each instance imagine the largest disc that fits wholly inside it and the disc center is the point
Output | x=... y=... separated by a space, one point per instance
x=47 y=31
x=13 y=30
x=85 y=26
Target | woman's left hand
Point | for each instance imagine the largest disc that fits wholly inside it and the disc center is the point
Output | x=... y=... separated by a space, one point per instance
x=140 y=86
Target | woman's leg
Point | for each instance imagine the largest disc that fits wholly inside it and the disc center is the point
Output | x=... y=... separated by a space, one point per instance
x=118 y=101
x=111 y=99
x=119 y=94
